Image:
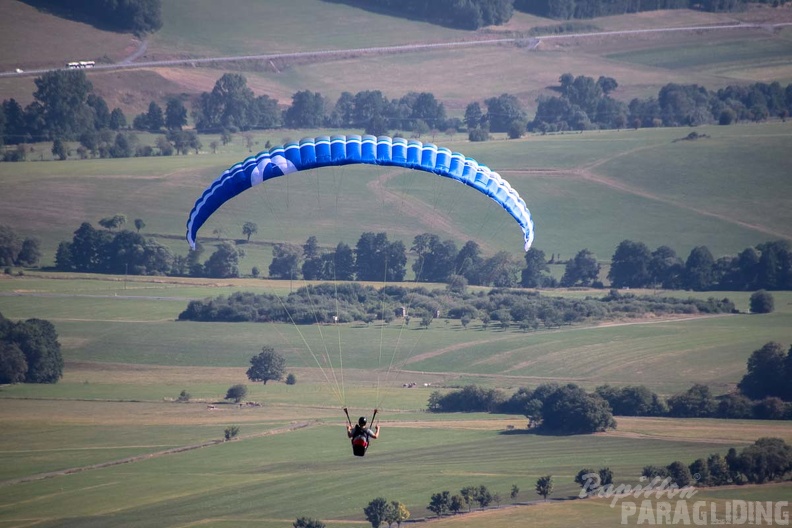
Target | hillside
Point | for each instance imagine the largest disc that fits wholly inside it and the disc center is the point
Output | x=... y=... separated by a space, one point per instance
x=713 y=58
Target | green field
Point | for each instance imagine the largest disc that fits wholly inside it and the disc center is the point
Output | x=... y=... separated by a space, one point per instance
x=592 y=190
x=109 y=445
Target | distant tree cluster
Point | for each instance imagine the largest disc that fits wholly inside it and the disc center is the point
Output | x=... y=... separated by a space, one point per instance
x=585 y=103
x=569 y=9
x=467 y=14
x=380 y=512
x=375 y=258
x=18 y=251
x=121 y=251
x=324 y=303
x=137 y=16
x=232 y=106
x=766 y=266
x=764 y=394
x=566 y=409
x=29 y=352
x=469 y=497
x=767 y=460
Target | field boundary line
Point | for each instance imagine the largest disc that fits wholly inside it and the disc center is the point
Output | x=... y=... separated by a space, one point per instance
x=157 y=454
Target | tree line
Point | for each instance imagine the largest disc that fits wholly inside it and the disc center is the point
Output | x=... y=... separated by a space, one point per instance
x=504 y=309
x=29 y=352
x=66 y=109
x=475 y=14
x=571 y=9
x=766 y=460
x=763 y=393
x=137 y=16
x=585 y=103
x=766 y=266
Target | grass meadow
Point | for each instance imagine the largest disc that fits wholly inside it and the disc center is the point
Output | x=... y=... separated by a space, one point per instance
x=109 y=445
x=117 y=450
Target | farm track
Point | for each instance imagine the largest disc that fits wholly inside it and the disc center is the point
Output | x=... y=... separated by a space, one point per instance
x=309 y=56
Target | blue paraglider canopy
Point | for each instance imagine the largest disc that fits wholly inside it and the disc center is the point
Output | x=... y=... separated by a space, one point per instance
x=325 y=151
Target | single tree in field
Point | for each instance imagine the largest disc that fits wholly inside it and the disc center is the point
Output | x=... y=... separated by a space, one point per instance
x=376 y=511
x=113 y=222
x=762 y=302
x=544 y=486
x=236 y=393
x=248 y=229
x=267 y=365
x=397 y=513
x=139 y=224
x=514 y=491
x=231 y=432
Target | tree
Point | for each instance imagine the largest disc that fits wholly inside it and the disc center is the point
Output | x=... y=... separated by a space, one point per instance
x=762 y=302
x=569 y=409
x=502 y=111
x=473 y=116
x=699 y=269
x=62 y=96
x=139 y=224
x=306 y=111
x=397 y=513
x=117 y=119
x=468 y=494
x=514 y=491
x=768 y=372
x=59 y=149
x=583 y=269
x=113 y=222
x=376 y=511
x=224 y=262
x=236 y=393
x=249 y=228
x=456 y=503
x=308 y=522
x=544 y=486
x=267 y=365
x=680 y=474
x=696 y=402
x=229 y=106
x=10 y=246
x=440 y=502
x=534 y=275
x=155 y=120
x=588 y=479
x=13 y=366
x=377 y=259
x=38 y=341
x=230 y=432
x=285 y=262
x=630 y=265
x=175 y=114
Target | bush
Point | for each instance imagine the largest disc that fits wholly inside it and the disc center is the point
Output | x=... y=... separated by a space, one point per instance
x=762 y=302
x=236 y=393
x=230 y=432
x=291 y=379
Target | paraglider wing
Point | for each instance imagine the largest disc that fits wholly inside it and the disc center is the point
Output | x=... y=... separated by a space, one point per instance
x=325 y=151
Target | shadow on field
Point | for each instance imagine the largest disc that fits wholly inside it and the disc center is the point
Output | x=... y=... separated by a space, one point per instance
x=537 y=431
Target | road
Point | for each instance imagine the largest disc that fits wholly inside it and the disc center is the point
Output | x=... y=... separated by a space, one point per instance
x=129 y=62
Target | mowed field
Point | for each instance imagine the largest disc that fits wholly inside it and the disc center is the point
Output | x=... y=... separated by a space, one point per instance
x=109 y=446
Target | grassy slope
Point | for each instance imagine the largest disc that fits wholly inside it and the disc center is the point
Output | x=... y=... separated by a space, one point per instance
x=585 y=190
x=132 y=349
